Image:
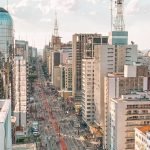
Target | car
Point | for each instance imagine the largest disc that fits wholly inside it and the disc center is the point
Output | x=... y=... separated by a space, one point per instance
x=36 y=133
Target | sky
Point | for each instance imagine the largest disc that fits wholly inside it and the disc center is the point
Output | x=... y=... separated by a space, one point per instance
x=34 y=19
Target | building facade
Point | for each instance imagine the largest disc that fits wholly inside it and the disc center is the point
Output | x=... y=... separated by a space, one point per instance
x=109 y=59
x=22 y=49
x=88 y=108
x=6 y=33
x=127 y=112
x=5 y=125
x=20 y=71
x=83 y=47
x=142 y=138
x=117 y=84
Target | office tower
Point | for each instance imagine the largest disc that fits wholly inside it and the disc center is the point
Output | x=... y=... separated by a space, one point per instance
x=109 y=59
x=56 y=72
x=128 y=112
x=21 y=49
x=142 y=138
x=82 y=48
x=66 y=77
x=6 y=33
x=6 y=50
x=32 y=54
x=46 y=53
x=5 y=125
x=65 y=54
x=20 y=71
x=134 y=78
x=66 y=70
x=88 y=108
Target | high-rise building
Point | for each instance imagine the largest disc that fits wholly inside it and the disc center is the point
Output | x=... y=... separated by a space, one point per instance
x=20 y=71
x=83 y=47
x=46 y=53
x=127 y=112
x=21 y=49
x=6 y=50
x=5 y=124
x=6 y=33
x=88 y=108
x=142 y=138
x=56 y=71
x=117 y=84
x=109 y=59
x=66 y=77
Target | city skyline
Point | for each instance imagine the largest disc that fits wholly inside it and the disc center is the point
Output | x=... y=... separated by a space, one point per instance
x=34 y=19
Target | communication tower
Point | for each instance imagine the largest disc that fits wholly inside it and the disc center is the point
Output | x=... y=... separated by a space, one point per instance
x=118 y=22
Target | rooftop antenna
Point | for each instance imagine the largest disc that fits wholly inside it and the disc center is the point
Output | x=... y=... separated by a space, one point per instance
x=119 y=24
x=56 y=25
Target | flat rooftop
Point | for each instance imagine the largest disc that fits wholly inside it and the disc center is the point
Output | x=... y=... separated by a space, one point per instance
x=144 y=129
x=31 y=146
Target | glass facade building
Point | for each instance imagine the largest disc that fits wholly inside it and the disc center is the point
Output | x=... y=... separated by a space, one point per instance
x=6 y=32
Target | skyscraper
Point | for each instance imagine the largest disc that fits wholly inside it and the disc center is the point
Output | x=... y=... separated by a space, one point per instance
x=6 y=32
x=83 y=47
x=6 y=49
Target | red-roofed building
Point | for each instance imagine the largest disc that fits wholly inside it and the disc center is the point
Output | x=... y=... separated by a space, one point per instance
x=142 y=138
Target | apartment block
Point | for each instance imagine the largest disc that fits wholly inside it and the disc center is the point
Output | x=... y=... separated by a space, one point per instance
x=128 y=112
x=109 y=59
x=117 y=84
x=20 y=71
x=88 y=107
x=142 y=138
x=5 y=125
x=83 y=47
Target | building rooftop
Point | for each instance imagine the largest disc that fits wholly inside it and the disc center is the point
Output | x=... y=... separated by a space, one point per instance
x=30 y=146
x=116 y=74
x=144 y=129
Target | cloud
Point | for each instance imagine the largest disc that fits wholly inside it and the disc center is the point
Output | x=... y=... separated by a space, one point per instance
x=45 y=20
x=93 y=1
x=63 y=5
x=22 y=3
x=93 y=13
x=132 y=7
x=45 y=9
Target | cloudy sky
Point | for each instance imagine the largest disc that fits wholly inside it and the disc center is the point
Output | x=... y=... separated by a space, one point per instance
x=34 y=19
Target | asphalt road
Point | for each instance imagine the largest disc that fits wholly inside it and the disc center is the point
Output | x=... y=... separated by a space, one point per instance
x=56 y=131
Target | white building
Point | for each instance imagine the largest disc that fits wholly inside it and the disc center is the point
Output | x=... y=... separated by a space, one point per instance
x=126 y=113
x=109 y=59
x=88 y=90
x=20 y=90
x=134 y=78
x=5 y=125
x=142 y=138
